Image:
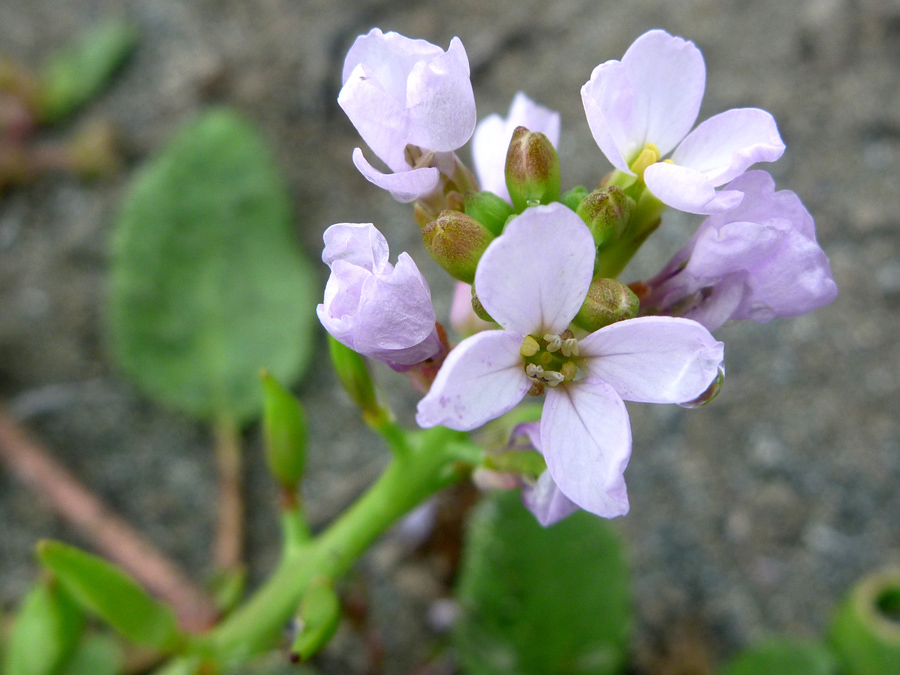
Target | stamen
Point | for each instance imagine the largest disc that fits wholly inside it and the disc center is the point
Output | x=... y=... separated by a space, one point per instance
x=546 y=358
x=532 y=370
x=649 y=155
x=554 y=342
x=569 y=370
x=529 y=347
x=553 y=378
x=570 y=347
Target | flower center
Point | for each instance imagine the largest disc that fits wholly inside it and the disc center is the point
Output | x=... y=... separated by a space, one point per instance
x=649 y=155
x=550 y=359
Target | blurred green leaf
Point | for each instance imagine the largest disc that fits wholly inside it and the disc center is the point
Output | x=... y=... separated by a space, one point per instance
x=98 y=655
x=783 y=656
x=865 y=629
x=108 y=592
x=49 y=618
x=76 y=73
x=538 y=601
x=208 y=287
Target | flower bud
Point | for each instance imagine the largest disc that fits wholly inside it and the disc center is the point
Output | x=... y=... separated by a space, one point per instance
x=606 y=213
x=574 y=197
x=489 y=210
x=285 y=431
x=456 y=241
x=354 y=375
x=532 y=169
x=317 y=619
x=607 y=302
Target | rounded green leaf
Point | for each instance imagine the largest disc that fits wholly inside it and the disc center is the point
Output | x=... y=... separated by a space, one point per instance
x=208 y=287
x=108 y=592
x=538 y=601
x=783 y=656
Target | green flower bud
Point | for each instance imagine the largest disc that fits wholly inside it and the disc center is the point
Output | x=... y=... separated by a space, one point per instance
x=354 y=375
x=285 y=431
x=574 y=197
x=606 y=213
x=489 y=210
x=607 y=302
x=532 y=169
x=456 y=241
x=865 y=630
x=317 y=619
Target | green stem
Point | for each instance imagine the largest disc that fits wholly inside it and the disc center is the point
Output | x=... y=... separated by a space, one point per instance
x=646 y=218
x=408 y=480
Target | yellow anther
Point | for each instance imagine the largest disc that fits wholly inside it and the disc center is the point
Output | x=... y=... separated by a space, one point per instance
x=532 y=370
x=553 y=378
x=568 y=371
x=529 y=347
x=546 y=358
x=570 y=347
x=649 y=155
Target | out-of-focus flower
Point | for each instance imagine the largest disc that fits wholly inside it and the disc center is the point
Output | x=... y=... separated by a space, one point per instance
x=408 y=99
x=532 y=280
x=759 y=261
x=373 y=307
x=463 y=318
x=493 y=134
x=641 y=108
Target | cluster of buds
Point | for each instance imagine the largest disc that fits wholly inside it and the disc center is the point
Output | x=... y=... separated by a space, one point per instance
x=545 y=314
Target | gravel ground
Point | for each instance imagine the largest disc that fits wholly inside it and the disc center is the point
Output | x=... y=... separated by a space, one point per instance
x=749 y=516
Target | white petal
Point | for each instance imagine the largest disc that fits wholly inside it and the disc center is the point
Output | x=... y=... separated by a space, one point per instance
x=535 y=276
x=668 y=78
x=725 y=146
x=587 y=442
x=359 y=244
x=406 y=186
x=546 y=501
x=654 y=359
x=607 y=99
x=481 y=379
x=688 y=190
x=489 y=147
x=440 y=101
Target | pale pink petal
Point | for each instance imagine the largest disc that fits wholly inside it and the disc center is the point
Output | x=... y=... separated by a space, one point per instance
x=587 y=442
x=380 y=119
x=389 y=301
x=653 y=359
x=668 y=78
x=535 y=276
x=480 y=379
x=405 y=186
x=724 y=146
x=608 y=106
x=489 y=147
x=544 y=498
x=688 y=190
x=391 y=57
x=440 y=101
x=359 y=244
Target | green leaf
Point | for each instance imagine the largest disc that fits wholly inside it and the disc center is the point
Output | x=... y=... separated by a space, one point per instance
x=208 y=287
x=75 y=74
x=98 y=655
x=50 y=618
x=538 y=601
x=108 y=592
x=783 y=656
x=865 y=629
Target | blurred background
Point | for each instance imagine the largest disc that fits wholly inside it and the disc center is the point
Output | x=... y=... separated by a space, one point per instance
x=749 y=516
